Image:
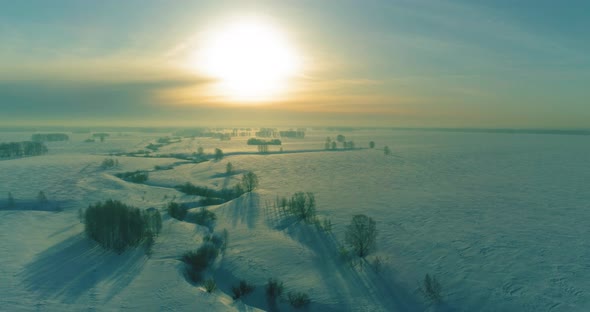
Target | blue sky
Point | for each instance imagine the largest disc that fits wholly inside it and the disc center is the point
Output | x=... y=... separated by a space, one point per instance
x=391 y=63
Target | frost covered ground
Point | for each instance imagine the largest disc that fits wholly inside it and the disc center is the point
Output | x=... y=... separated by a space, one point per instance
x=500 y=219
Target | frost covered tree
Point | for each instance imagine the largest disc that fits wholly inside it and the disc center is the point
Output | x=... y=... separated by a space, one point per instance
x=249 y=181
x=218 y=154
x=361 y=234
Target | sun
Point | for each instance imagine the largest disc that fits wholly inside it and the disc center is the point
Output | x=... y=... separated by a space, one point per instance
x=250 y=59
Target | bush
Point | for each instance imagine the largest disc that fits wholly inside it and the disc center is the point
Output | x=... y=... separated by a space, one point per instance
x=176 y=211
x=205 y=217
x=117 y=226
x=41 y=198
x=219 y=241
x=274 y=289
x=109 y=163
x=210 y=285
x=298 y=299
x=242 y=289
x=386 y=151
x=249 y=181
x=218 y=154
x=135 y=176
x=431 y=288
x=198 y=261
x=302 y=205
x=361 y=234
x=211 y=194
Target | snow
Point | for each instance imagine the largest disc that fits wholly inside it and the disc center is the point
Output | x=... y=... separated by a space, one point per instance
x=500 y=219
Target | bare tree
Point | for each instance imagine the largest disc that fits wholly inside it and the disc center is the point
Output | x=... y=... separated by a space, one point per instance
x=249 y=181
x=218 y=154
x=361 y=234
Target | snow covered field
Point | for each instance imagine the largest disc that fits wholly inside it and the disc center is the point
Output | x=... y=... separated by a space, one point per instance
x=500 y=219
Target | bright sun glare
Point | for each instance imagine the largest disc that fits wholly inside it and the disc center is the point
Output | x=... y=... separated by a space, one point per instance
x=250 y=59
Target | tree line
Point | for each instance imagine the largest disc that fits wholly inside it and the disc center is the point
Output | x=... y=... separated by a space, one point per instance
x=22 y=149
x=49 y=137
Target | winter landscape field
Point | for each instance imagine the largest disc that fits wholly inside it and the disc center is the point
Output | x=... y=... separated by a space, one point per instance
x=500 y=220
x=292 y=155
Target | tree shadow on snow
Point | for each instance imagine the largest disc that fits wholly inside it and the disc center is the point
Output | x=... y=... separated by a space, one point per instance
x=77 y=265
x=244 y=210
x=344 y=279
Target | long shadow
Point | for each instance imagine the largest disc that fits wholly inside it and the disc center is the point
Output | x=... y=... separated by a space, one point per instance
x=77 y=265
x=343 y=278
x=244 y=209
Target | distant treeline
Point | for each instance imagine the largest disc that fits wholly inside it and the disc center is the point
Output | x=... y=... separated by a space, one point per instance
x=254 y=141
x=49 y=137
x=504 y=130
x=22 y=149
x=299 y=134
x=267 y=133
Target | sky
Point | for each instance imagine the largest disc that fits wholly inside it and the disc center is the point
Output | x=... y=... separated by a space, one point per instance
x=393 y=63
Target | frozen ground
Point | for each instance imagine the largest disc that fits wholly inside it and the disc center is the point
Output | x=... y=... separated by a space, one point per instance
x=500 y=219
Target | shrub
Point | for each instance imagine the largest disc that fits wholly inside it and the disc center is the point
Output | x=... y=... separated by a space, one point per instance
x=274 y=289
x=176 y=211
x=41 y=198
x=210 y=285
x=431 y=288
x=249 y=181
x=205 y=217
x=242 y=289
x=298 y=299
x=198 y=261
x=218 y=154
x=361 y=234
x=117 y=226
x=302 y=205
x=211 y=195
x=109 y=163
x=135 y=176
x=386 y=151
x=217 y=240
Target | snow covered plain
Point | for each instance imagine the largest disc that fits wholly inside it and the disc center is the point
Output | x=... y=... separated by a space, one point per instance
x=500 y=219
